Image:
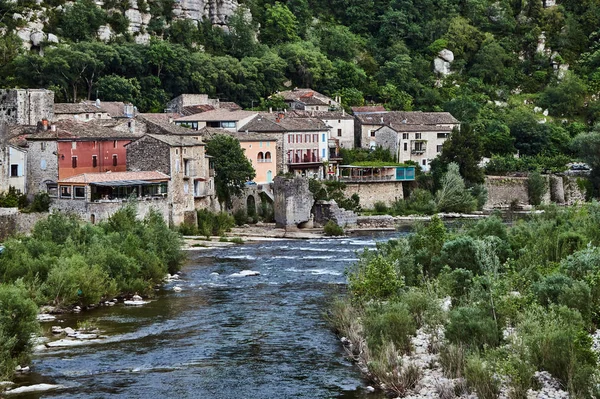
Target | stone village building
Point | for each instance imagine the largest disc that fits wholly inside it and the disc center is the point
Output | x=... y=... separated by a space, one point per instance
x=410 y=136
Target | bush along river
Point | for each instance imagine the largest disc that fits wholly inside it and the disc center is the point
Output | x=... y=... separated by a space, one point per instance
x=223 y=335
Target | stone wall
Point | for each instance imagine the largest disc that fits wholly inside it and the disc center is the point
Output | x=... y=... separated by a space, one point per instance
x=504 y=191
x=8 y=222
x=329 y=210
x=99 y=211
x=42 y=165
x=293 y=201
x=148 y=153
x=370 y=193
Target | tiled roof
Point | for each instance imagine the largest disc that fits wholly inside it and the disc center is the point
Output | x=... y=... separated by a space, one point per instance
x=369 y=108
x=87 y=178
x=268 y=122
x=217 y=115
x=162 y=124
x=398 y=118
x=71 y=129
x=75 y=108
x=196 y=109
x=229 y=105
x=115 y=109
x=177 y=140
x=323 y=115
x=208 y=132
x=418 y=128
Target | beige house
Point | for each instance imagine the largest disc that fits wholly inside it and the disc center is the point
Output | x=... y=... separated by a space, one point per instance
x=308 y=100
x=415 y=136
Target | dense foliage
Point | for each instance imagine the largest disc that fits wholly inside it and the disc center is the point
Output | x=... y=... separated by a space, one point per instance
x=521 y=299
x=65 y=262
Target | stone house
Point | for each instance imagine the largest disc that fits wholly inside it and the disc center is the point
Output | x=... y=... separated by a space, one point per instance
x=86 y=111
x=415 y=136
x=184 y=160
x=189 y=104
x=308 y=100
x=26 y=107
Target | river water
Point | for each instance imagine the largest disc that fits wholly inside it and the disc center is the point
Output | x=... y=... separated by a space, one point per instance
x=220 y=337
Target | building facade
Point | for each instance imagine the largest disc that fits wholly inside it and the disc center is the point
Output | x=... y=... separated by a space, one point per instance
x=26 y=107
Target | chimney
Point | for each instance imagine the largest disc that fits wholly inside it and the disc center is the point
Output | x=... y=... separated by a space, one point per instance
x=53 y=128
x=44 y=124
x=382 y=119
x=281 y=115
x=170 y=119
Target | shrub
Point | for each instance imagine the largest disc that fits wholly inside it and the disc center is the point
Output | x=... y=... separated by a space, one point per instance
x=374 y=278
x=380 y=207
x=390 y=322
x=187 y=229
x=536 y=188
x=557 y=342
x=457 y=283
x=473 y=327
x=461 y=253
x=331 y=228
x=491 y=226
x=240 y=216
x=422 y=305
x=480 y=193
x=17 y=323
x=480 y=377
x=236 y=240
x=452 y=359
x=41 y=203
x=13 y=198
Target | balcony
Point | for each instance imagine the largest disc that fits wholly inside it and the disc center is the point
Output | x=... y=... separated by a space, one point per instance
x=304 y=160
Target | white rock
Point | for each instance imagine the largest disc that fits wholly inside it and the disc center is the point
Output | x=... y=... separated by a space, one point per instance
x=537 y=110
x=62 y=343
x=45 y=317
x=545 y=113
x=214 y=274
x=57 y=330
x=37 y=38
x=69 y=331
x=136 y=297
x=177 y=288
x=245 y=273
x=446 y=55
x=370 y=389
x=142 y=39
x=135 y=303
x=104 y=33
x=52 y=38
x=79 y=335
x=33 y=388
x=441 y=67
x=17 y=16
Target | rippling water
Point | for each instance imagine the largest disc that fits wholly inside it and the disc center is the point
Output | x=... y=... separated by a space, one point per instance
x=221 y=336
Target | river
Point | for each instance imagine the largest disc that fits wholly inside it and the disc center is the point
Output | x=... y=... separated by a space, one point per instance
x=220 y=337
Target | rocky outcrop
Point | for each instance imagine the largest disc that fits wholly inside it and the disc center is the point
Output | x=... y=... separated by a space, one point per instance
x=441 y=64
x=33 y=36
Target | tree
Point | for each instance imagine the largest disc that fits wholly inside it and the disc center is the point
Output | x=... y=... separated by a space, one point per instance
x=587 y=147
x=453 y=196
x=565 y=98
x=232 y=168
x=465 y=148
x=280 y=25
x=118 y=88
x=81 y=20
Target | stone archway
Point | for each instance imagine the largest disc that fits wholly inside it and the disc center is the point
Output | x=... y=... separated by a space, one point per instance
x=251 y=206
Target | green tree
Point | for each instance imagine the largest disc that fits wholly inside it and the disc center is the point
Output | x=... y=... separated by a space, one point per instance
x=464 y=147
x=566 y=98
x=117 y=88
x=232 y=168
x=587 y=147
x=281 y=25
x=453 y=196
x=81 y=20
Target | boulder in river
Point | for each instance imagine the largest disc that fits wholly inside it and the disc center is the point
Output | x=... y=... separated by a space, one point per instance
x=33 y=388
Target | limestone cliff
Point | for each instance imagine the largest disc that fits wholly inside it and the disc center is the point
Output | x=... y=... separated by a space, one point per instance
x=32 y=22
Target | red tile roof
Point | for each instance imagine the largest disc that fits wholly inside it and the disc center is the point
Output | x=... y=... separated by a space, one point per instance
x=87 y=178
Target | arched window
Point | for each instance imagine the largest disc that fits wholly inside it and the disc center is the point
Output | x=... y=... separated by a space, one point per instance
x=260 y=157
x=267 y=156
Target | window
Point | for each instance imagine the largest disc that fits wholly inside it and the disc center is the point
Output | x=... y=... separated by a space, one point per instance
x=339 y=132
x=176 y=151
x=52 y=189
x=94 y=161
x=14 y=170
x=73 y=162
x=443 y=135
x=115 y=160
x=299 y=138
x=43 y=145
x=43 y=164
x=323 y=153
x=186 y=167
x=324 y=138
x=439 y=148
x=260 y=157
x=94 y=144
x=315 y=138
x=177 y=166
x=79 y=192
x=65 y=191
x=115 y=144
x=260 y=144
x=228 y=125
x=73 y=144
x=267 y=156
x=371 y=133
x=419 y=146
x=186 y=188
x=405 y=146
x=87 y=116
x=424 y=162
x=417 y=136
x=404 y=136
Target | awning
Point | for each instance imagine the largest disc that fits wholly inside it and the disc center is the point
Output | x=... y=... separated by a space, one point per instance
x=120 y=183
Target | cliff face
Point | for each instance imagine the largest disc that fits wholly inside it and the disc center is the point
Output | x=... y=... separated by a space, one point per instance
x=31 y=29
